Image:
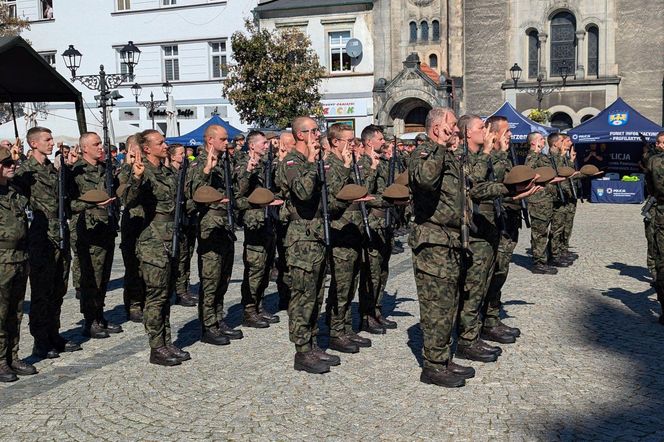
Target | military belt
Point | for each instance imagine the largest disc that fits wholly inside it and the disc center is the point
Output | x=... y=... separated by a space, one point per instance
x=294 y=216
x=218 y=212
x=10 y=244
x=486 y=206
x=164 y=217
x=97 y=211
x=432 y=225
x=353 y=207
x=378 y=213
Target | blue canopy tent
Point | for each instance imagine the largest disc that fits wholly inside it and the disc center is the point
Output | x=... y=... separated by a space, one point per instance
x=195 y=137
x=520 y=127
x=613 y=135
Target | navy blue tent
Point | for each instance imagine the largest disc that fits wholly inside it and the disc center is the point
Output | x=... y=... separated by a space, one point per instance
x=520 y=125
x=195 y=137
x=617 y=123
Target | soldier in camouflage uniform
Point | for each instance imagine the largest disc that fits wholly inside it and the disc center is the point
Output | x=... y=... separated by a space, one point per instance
x=483 y=244
x=188 y=229
x=300 y=180
x=493 y=329
x=48 y=252
x=655 y=182
x=559 y=214
x=375 y=266
x=348 y=239
x=153 y=186
x=216 y=239
x=572 y=190
x=131 y=226
x=540 y=208
x=13 y=270
x=94 y=240
x=286 y=144
x=259 y=234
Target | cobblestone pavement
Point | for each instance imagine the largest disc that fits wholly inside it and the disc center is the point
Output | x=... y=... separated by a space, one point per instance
x=588 y=365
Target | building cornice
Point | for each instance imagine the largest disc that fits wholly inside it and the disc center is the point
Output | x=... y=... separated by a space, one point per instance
x=168 y=8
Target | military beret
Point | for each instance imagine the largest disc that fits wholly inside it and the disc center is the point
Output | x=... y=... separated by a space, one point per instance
x=590 y=170
x=94 y=196
x=238 y=137
x=351 y=192
x=402 y=178
x=545 y=173
x=5 y=154
x=121 y=190
x=207 y=195
x=565 y=171
x=519 y=174
x=396 y=192
x=271 y=135
x=421 y=137
x=261 y=196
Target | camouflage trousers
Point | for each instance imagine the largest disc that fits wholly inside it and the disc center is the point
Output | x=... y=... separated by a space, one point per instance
x=13 y=282
x=475 y=284
x=157 y=275
x=540 y=218
x=216 y=249
x=283 y=277
x=658 y=249
x=374 y=273
x=344 y=273
x=49 y=275
x=134 y=291
x=187 y=245
x=570 y=212
x=306 y=265
x=558 y=221
x=95 y=262
x=258 y=256
x=649 y=227
x=506 y=245
x=437 y=269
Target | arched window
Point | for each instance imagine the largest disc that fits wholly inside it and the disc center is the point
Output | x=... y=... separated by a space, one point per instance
x=563 y=43
x=435 y=30
x=593 y=51
x=561 y=121
x=413 y=32
x=433 y=61
x=424 y=31
x=586 y=118
x=533 y=53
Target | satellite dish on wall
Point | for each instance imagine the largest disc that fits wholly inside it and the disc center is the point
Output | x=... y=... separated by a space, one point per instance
x=354 y=47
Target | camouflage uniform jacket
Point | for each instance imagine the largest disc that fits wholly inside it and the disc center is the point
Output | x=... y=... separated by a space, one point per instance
x=655 y=177
x=375 y=180
x=247 y=182
x=86 y=177
x=13 y=225
x=536 y=160
x=346 y=216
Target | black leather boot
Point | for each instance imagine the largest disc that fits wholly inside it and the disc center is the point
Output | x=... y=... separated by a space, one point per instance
x=309 y=362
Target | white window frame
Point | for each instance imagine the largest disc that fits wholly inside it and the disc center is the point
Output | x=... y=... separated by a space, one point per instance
x=168 y=3
x=40 y=6
x=223 y=58
x=123 y=5
x=49 y=54
x=338 y=46
x=13 y=9
x=173 y=56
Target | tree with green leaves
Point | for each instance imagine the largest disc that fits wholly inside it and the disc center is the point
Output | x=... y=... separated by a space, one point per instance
x=10 y=25
x=275 y=78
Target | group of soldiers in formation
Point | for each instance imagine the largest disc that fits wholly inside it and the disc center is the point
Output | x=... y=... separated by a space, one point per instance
x=310 y=205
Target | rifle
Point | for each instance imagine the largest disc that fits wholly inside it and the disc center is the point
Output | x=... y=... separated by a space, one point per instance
x=62 y=214
x=561 y=195
x=269 y=212
x=324 y=201
x=390 y=181
x=109 y=176
x=501 y=216
x=572 y=182
x=645 y=210
x=524 y=205
x=466 y=214
x=363 y=206
x=179 y=208
x=228 y=186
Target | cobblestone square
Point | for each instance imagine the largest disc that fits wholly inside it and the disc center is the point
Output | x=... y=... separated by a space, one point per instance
x=588 y=366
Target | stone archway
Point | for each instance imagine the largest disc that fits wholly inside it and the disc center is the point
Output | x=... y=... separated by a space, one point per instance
x=409 y=115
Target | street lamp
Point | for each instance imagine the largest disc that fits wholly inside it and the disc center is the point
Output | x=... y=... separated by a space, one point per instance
x=539 y=92
x=152 y=105
x=104 y=83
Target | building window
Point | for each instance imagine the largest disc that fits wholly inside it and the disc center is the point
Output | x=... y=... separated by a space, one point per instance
x=218 y=59
x=533 y=53
x=561 y=121
x=424 y=31
x=124 y=5
x=46 y=9
x=593 y=51
x=435 y=30
x=49 y=57
x=171 y=63
x=413 y=32
x=433 y=61
x=339 y=59
x=168 y=2
x=11 y=8
x=563 y=42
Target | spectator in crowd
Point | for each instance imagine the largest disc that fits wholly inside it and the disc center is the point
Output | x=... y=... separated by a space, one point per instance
x=594 y=157
x=189 y=152
x=238 y=142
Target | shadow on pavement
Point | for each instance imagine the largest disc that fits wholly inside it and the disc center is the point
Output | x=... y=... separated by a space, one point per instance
x=637 y=272
x=635 y=408
x=189 y=334
x=522 y=261
x=416 y=342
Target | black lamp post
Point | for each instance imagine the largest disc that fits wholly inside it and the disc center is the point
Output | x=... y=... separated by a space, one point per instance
x=539 y=92
x=152 y=105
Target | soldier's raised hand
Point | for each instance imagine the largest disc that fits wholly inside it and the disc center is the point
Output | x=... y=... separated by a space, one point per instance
x=138 y=167
x=211 y=161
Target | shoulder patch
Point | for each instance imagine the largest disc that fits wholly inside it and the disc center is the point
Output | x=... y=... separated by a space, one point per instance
x=424 y=154
x=290 y=163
